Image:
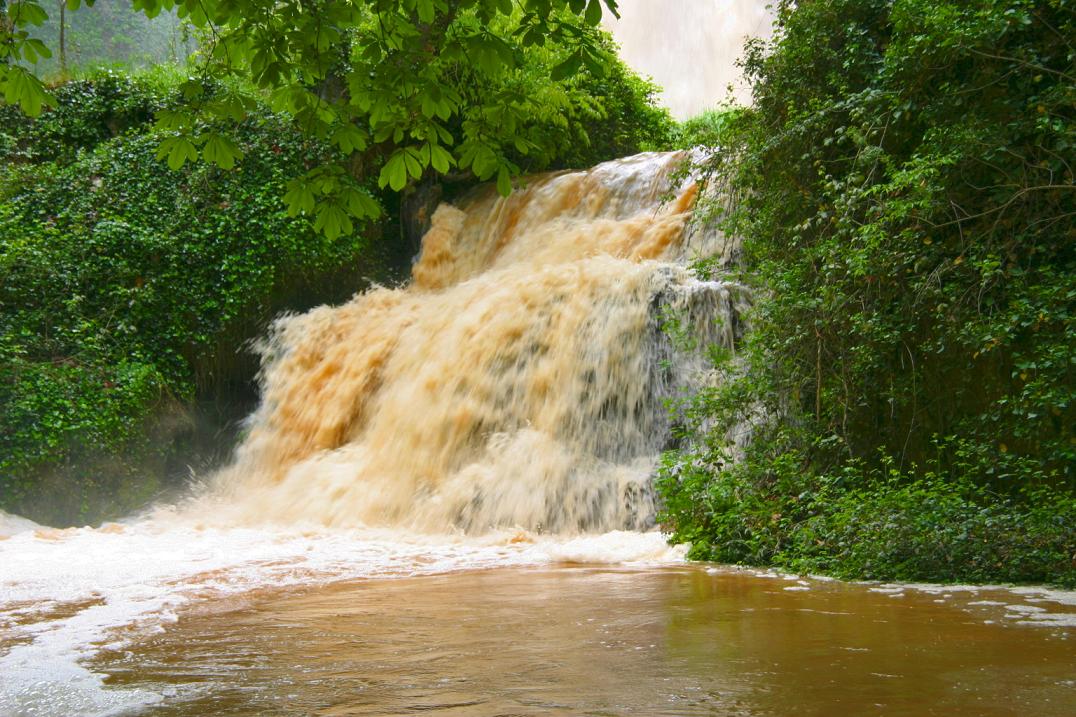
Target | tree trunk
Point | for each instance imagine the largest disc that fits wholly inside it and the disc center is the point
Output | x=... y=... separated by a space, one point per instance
x=5 y=32
x=63 y=39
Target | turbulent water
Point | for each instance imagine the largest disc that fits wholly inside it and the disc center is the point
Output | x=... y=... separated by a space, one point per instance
x=519 y=380
x=505 y=409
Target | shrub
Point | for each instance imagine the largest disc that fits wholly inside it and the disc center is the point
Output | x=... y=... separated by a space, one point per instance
x=905 y=201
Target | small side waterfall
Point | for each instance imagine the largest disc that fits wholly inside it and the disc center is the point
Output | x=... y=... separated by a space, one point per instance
x=519 y=380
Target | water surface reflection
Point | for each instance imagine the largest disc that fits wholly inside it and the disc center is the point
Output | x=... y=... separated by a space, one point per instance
x=601 y=641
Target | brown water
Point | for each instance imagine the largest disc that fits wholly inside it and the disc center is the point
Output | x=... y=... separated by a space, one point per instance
x=519 y=379
x=601 y=641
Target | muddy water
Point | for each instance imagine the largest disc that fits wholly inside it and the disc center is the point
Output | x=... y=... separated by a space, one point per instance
x=576 y=640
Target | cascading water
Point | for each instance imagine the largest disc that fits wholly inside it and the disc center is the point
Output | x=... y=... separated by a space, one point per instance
x=519 y=380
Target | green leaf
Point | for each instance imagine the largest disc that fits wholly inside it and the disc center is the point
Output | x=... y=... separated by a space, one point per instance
x=34 y=49
x=23 y=88
x=394 y=173
x=440 y=158
x=482 y=160
x=412 y=159
x=522 y=145
x=220 y=150
x=299 y=199
x=595 y=63
x=178 y=150
x=360 y=204
x=568 y=67
x=332 y=221
x=349 y=138
x=504 y=182
x=26 y=13
x=173 y=120
x=434 y=104
x=425 y=10
x=593 y=14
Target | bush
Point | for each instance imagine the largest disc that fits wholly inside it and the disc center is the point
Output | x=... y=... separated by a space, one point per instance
x=857 y=523
x=905 y=201
x=708 y=129
x=102 y=105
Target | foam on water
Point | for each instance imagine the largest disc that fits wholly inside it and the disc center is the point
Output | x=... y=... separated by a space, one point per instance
x=67 y=594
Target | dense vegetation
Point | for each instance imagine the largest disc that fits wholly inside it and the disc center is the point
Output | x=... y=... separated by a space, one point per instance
x=904 y=190
x=128 y=290
x=410 y=87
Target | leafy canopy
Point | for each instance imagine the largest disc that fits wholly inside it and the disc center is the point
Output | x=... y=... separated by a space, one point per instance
x=377 y=79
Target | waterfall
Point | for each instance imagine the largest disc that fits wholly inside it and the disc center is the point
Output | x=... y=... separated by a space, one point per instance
x=519 y=380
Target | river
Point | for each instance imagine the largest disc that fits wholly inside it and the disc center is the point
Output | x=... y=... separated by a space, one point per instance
x=152 y=621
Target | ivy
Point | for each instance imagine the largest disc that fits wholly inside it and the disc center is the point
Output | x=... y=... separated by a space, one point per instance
x=127 y=290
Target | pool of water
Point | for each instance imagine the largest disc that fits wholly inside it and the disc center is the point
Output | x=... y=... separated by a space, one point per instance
x=152 y=618
x=602 y=641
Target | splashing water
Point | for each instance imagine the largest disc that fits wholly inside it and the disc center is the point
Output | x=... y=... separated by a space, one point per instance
x=520 y=380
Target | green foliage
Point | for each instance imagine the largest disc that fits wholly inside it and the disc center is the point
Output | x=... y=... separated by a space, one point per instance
x=904 y=191
x=616 y=115
x=706 y=130
x=88 y=111
x=406 y=86
x=127 y=290
x=880 y=525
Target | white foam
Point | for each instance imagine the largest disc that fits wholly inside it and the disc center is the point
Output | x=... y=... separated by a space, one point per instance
x=13 y=524
x=94 y=582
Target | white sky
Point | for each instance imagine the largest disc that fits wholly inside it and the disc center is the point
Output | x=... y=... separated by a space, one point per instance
x=689 y=47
